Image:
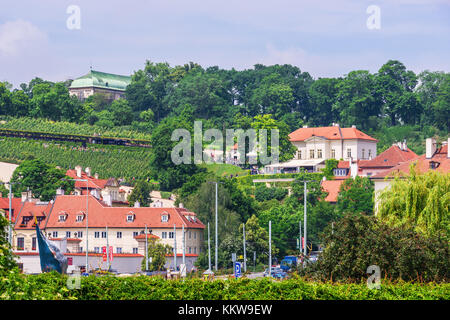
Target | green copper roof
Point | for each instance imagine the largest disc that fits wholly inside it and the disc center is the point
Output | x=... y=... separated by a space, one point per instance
x=102 y=80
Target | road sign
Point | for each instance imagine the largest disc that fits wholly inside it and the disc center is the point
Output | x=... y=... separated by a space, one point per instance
x=237 y=269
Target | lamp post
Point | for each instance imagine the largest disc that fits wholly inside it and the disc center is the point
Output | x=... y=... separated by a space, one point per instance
x=217 y=219
x=87 y=215
x=10 y=211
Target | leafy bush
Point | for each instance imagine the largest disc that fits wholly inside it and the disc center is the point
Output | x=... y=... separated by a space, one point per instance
x=262 y=193
x=359 y=241
x=52 y=286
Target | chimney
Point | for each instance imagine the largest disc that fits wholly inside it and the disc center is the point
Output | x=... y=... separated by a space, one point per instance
x=353 y=169
x=59 y=192
x=78 y=170
x=305 y=126
x=107 y=199
x=137 y=204
x=404 y=145
x=88 y=171
x=399 y=144
x=353 y=126
x=24 y=196
x=180 y=205
x=96 y=175
x=430 y=147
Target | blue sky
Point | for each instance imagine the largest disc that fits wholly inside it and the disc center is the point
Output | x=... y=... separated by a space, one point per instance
x=325 y=38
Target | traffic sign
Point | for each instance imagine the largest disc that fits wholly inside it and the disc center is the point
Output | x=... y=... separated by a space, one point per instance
x=237 y=269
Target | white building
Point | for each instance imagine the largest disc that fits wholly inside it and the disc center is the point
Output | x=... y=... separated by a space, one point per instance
x=315 y=145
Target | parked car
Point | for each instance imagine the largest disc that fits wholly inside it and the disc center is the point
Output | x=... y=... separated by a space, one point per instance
x=276 y=272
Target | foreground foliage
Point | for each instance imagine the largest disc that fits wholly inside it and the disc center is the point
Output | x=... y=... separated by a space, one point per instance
x=53 y=286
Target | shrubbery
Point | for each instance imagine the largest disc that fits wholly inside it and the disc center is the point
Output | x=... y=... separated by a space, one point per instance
x=359 y=241
x=53 y=286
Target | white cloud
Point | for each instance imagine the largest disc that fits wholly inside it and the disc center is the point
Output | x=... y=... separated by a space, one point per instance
x=19 y=37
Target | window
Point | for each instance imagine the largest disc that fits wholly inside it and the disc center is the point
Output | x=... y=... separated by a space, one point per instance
x=164 y=218
x=20 y=243
x=171 y=234
x=81 y=249
x=97 y=249
x=33 y=243
x=80 y=217
x=119 y=235
x=135 y=250
x=68 y=233
x=370 y=153
x=363 y=153
x=96 y=234
x=130 y=218
x=333 y=153
x=190 y=250
x=55 y=234
x=79 y=234
x=349 y=153
x=299 y=154
x=135 y=234
x=118 y=250
x=189 y=234
x=340 y=172
x=103 y=234
x=62 y=218
x=311 y=154
x=195 y=235
x=319 y=153
x=195 y=249
x=164 y=235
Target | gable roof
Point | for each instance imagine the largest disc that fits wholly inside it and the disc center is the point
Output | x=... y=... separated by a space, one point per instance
x=101 y=216
x=329 y=133
x=389 y=158
x=16 y=205
x=92 y=183
x=102 y=80
x=422 y=164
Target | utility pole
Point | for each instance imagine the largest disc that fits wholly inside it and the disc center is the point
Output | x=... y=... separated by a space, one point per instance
x=300 y=242
x=174 y=248
x=245 y=253
x=270 y=248
x=304 y=218
x=209 y=250
x=217 y=253
x=184 y=245
x=107 y=249
x=10 y=213
x=146 y=249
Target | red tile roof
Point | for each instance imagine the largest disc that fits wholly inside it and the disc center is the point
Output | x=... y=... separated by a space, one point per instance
x=93 y=183
x=422 y=164
x=101 y=216
x=330 y=133
x=389 y=158
x=16 y=205
x=149 y=235
x=332 y=187
x=32 y=209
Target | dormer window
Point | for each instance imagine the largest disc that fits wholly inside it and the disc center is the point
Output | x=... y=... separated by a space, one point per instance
x=80 y=217
x=130 y=217
x=434 y=164
x=62 y=217
x=164 y=217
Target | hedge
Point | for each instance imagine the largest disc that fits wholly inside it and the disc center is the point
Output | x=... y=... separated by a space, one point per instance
x=52 y=286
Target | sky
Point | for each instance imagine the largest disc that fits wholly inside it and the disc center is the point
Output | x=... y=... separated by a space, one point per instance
x=327 y=38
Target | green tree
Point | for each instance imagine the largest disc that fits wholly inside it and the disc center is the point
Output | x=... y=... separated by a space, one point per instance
x=41 y=178
x=157 y=251
x=7 y=259
x=357 y=102
x=356 y=195
x=419 y=201
x=121 y=112
x=323 y=94
x=141 y=194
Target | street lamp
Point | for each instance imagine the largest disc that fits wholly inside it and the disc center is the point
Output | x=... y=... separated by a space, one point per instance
x=87 y=215
x=216 y=253
x=10 y=211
